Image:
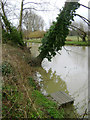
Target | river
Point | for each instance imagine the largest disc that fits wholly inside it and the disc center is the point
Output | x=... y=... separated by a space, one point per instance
x=66 y=72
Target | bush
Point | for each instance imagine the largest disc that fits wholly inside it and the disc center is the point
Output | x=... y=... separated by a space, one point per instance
x=14 y=37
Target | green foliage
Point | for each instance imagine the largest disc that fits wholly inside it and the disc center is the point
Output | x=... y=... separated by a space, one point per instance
x=16 y=37
x=13 y=96
x=6 y=68
x=49 y=107
x=13 y=37
x=10 y=34
x=31 y=82
x=55 y=38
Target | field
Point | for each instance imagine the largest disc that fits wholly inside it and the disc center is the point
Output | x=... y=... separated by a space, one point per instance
x=70 y=40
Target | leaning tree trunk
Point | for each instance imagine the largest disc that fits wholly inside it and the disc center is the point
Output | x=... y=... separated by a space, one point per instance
x=55 y=38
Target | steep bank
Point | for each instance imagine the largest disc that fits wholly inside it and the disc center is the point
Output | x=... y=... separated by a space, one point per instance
x=21 y=97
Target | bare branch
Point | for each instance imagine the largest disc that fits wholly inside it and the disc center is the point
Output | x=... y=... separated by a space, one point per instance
x=83 y=18
x=36 y=9
x=84 y=6
x=77 y=28
x=36 y=3
x=76 y=31
x=31 y=2
x=5 y=2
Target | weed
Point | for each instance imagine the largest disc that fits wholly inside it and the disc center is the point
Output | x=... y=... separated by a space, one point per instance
x=6 y=68
x=11 y=108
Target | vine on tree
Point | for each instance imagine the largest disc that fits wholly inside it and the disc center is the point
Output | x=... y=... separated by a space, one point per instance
x=55 y=38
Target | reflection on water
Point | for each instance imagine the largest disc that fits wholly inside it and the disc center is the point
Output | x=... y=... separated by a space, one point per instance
x=50 y=82
x=67 y=72
x=34 y=48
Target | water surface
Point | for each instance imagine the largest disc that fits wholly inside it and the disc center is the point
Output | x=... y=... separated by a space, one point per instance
x=66 y=72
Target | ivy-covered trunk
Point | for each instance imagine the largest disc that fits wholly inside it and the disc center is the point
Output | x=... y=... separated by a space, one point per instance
x=55 y=38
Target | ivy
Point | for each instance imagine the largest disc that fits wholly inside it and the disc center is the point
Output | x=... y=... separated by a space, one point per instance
x=55 y=37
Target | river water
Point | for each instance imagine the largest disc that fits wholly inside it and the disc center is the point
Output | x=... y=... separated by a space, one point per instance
x=67 y=72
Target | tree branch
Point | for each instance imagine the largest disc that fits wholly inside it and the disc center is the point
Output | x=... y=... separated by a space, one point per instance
x=77 y=28
x=76 y=31
x=84 y=6
x=35 y=3
x=30 y=3
x=83 y=18
x=36 y=9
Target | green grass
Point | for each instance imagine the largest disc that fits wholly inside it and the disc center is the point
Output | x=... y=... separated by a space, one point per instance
x=21 y=97
x=77 y=43
x=71 y=40
x=13 y=96
x=46 y=106
x=38 y=40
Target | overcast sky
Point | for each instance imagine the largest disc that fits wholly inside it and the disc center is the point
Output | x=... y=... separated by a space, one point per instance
x=50 y=16
x=54 y=6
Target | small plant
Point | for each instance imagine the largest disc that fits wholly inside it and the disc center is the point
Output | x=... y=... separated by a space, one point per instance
x=6 y=68
x=12 y=100
x=32 y=82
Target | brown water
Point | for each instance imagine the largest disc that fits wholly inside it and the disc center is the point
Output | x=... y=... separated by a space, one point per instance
x=66 y=72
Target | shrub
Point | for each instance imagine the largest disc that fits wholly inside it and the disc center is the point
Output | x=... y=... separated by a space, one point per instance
x=14 y=37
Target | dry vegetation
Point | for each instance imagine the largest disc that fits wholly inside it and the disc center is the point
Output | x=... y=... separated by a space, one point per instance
x=15 y=84
x=21 y=96
x=35 y=34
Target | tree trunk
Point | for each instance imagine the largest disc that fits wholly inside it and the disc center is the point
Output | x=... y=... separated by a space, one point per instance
x=21 y=15
x=84 y=37
x=55 y=38
x=5 y=20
